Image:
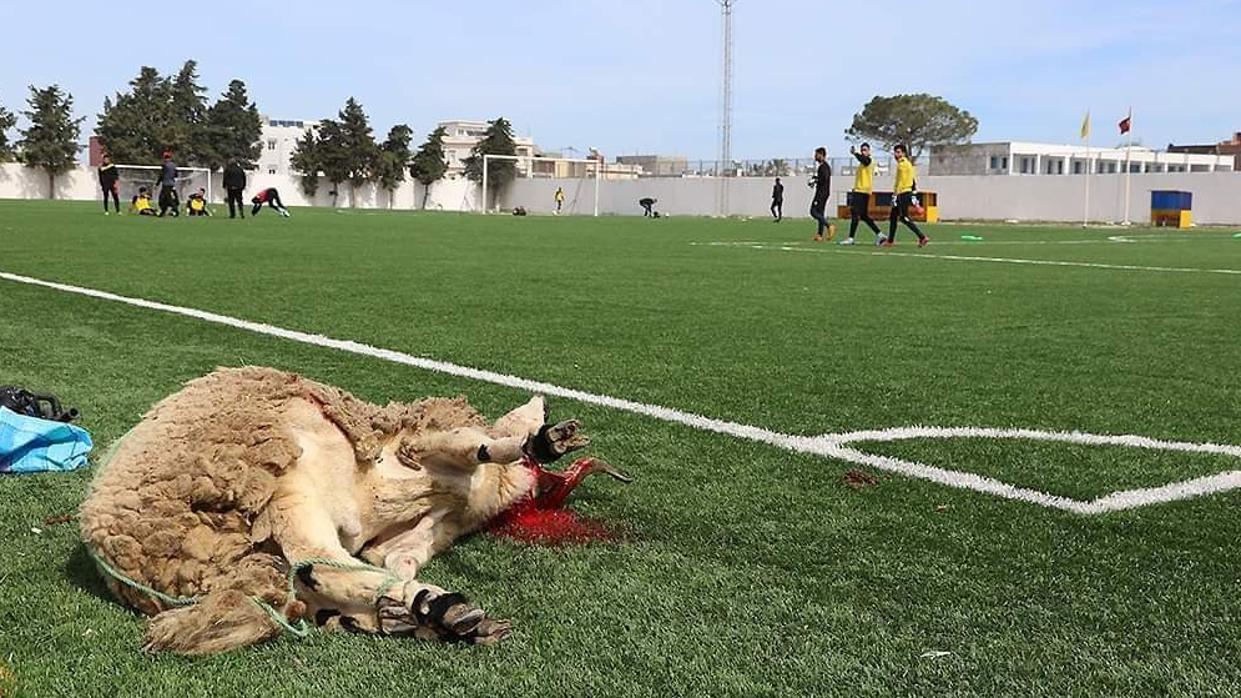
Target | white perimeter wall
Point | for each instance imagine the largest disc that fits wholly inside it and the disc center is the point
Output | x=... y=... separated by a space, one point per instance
x=1217 y=195
x=81 y=184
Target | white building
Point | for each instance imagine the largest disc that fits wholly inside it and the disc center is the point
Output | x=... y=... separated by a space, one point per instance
x=460 y=137
x=1018 y=158
x=278 y=140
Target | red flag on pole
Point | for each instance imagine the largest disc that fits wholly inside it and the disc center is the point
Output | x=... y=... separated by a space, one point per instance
x=1126 y=124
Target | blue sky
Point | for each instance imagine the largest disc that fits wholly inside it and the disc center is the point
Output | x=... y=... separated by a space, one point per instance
x=643 y=75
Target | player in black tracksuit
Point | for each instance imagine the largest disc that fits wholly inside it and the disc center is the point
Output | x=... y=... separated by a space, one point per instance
x=168 y=199
x=777 y=201
x=822 y=184
x=108 y=180
x=234 y=185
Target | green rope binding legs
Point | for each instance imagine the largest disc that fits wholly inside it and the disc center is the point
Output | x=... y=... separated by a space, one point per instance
x=158 y=595
x=301 y=629
x=390 y=580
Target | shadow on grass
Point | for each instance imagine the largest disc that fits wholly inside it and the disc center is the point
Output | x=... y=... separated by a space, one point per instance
x=81 y=572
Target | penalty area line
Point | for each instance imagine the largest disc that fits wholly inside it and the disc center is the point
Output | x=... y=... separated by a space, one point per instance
x=828 y=445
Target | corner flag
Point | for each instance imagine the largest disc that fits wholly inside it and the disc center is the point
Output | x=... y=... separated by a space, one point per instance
x=1086 y=126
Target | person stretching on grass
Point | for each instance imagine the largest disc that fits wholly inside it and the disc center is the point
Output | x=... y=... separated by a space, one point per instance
x=903 y=195
x=859 y=198
x=822 y=183
x=648 y=207
x=108 y=182
x=271 y=197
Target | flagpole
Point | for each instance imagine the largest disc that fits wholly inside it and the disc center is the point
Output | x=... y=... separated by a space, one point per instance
x=1128 y=164
x=1086 y=208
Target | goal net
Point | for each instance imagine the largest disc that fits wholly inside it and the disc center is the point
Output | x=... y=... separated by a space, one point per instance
x=130 y=178
x=542 y=185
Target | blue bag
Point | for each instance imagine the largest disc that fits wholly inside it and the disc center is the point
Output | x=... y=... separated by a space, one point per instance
x=31 y=445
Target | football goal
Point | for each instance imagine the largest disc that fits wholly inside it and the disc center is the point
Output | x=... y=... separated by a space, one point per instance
x=540 y=180
x=189 y=180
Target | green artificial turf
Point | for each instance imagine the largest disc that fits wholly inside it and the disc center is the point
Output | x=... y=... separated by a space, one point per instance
x=744 y=570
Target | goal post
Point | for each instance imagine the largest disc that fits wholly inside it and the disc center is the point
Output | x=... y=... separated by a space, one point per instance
x=189 y=180
x=549 y=169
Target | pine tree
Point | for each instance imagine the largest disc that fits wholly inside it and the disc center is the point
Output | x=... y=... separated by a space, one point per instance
x=51 y=140
x=7 y=121
x=188 y=111
x=393 y=159
x=348 y=152
x=234 y=129
x=429 y=165
x=307 y=160
x=134 y=127
x=333 y=155
x=497 y=140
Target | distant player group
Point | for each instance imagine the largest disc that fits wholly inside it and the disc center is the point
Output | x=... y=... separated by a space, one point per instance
x=904 y=197
x=169 y=201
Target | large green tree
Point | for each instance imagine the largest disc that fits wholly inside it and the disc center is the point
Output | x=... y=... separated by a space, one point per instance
x=7 y=121
x=429 y=164
x=187 y=133
x=393 y=159
x=348 y=152
x=497 y=140
x=306 y=159
x=170 y=113
x=134 y=126
x=234 y=129
x=50 y=141
x=333 y=156
x=917 y=121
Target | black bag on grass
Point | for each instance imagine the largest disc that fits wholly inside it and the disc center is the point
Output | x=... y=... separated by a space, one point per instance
x=26 y=403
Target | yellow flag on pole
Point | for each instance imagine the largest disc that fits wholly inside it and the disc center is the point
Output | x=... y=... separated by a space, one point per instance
x=1086 y=126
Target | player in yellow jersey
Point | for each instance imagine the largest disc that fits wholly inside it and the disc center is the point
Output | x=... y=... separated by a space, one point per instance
x=141 y=203
x=904 y=195
x=859 y=198
x=559 y=199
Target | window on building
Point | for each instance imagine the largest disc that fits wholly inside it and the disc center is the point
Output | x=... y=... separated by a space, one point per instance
x=995 y=162
x=1004 y=164
x=1078 y=167
x=271 y=143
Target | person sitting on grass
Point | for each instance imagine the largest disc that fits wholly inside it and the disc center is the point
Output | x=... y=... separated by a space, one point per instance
x=141 y=203
x=271 y=197
x=197 y=204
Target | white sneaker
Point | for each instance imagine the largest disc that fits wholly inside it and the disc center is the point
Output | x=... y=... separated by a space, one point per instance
x=880 y=240
x=848 y=241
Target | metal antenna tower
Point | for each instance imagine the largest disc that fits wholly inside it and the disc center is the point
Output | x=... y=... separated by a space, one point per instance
x=726 y=105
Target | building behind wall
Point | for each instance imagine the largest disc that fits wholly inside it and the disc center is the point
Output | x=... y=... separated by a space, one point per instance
x=461 y=136
x=657 y=165
x=1229 y=147
x=1019 y=158
x=279 y=140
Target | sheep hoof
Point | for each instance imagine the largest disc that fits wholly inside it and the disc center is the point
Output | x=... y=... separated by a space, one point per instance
x=554 y=441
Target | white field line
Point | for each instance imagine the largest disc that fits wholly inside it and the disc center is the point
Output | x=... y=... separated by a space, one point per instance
x=984 y=243
x=830 y=445
x=1058 y=263
x=995 y=260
